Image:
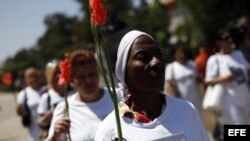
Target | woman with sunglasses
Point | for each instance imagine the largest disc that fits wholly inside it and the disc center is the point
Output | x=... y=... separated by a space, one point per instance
x=225 y=69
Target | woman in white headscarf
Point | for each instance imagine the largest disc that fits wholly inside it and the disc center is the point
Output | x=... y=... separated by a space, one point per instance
x=145 y=112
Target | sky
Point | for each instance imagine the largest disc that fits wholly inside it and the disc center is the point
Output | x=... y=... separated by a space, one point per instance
x=22 y=22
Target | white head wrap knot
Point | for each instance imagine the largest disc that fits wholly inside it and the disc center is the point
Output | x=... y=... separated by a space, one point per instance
x=123 y=51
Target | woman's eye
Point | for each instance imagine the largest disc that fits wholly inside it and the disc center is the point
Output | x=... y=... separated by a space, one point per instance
x=140 y=56
x=144 y=57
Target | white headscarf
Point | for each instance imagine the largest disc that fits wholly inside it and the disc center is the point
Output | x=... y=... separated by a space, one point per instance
x=123 y=51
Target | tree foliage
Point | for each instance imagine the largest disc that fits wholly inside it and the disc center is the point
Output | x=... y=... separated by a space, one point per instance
x=211 y=15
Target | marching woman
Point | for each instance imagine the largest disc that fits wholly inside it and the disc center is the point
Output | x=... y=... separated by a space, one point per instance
x=226 y=69
x=181 y=77
x=30 y=96
x=87 y=107
x=145 y=112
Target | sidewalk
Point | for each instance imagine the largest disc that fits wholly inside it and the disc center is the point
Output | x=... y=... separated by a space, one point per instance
x=11 y=128
x=209 y=121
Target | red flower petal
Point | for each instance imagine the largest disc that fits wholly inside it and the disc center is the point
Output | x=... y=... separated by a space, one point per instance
x=64 y=72
x=7 y=78
x=98 y=12
x=142 y=118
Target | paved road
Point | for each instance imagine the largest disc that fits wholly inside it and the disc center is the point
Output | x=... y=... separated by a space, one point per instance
x=10 y=126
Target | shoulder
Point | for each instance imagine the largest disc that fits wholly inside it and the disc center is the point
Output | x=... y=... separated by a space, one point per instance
x=108 y=122
x=60 y=106
x=215 y=59
x=21 y=93
x=107 y=128
x=169 y=67
x=71 y=98
x=59 y=110
x=21 y=96
x=44 y=99
x=212 y=58
x=177 y=103
x=45 y=96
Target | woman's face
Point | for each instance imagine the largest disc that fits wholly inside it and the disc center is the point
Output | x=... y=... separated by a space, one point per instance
x=180 y=54
x=55 y=78
x=226 y=42
x=86 y=79
x=145 y=67
x=32 y=80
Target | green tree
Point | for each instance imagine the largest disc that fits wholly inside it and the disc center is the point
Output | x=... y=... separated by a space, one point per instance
x=211 y=15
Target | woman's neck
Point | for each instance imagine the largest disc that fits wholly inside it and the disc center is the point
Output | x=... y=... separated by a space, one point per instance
x=90 y=97
x=182 y=61
x=148 y=104
x=224 y=52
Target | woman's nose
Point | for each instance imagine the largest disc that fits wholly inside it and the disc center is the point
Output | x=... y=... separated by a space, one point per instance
x=157 y=64
x=155 y=61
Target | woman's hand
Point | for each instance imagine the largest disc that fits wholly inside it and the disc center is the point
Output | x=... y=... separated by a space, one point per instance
x=220 y=80
x=61 y=126
x=44 y=119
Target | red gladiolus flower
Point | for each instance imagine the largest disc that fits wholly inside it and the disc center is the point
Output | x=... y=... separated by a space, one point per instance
x=64 y=72
x=142 y=118
x=98 y=12
x=7 y=78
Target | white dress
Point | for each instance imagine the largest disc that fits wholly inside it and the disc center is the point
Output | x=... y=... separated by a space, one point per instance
x=85 y=117
x=185 y=77
x=33 y=97
x=180 y=121
x=236 y=98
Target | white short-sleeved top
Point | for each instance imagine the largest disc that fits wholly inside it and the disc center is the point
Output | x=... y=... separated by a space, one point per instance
x=230 y=64
x=33 y=97
x=180 y=121
x=185 y=76
x=85 y=117
x=55 y=98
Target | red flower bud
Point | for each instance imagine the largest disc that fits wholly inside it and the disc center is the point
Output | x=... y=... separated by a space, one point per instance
x=64 y=72
x=98 y=12
x=7 y=78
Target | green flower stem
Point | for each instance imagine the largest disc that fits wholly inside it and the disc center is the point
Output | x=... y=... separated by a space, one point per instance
x=99 y=57
x=113 y=91
x=114 y=97
x=66 y=111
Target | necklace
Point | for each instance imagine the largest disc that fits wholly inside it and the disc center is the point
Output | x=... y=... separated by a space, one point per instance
x=130 y=113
